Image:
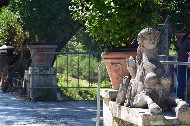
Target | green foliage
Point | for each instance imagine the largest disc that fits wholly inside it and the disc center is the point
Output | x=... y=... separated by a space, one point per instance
x=88 y=43
x=10 y=29
x=115 y=22
x=179 y=14
x=75 y=93
x=68 y=65
x=79 y=93
x=86 y=72
x=84 y=79
x=172 y=51
x=45 y=20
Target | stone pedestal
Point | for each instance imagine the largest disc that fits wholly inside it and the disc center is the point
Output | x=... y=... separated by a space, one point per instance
x=108 y=95
x=41 y=83
x=119 y=115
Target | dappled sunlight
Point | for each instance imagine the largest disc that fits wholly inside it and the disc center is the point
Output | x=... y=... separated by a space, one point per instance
x=15 y=111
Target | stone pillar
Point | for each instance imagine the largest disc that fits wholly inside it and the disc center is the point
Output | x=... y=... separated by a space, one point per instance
x=42 y=84
x=107 y=95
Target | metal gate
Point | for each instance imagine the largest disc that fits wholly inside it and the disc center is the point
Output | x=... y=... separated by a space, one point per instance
x=67 y=70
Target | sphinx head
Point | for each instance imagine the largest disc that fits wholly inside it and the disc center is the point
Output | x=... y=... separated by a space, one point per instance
x=148 y=38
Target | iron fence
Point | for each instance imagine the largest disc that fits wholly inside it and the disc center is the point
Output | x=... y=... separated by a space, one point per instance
x=71 y=70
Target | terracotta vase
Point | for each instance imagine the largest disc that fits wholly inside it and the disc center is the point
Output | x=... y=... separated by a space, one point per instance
x=42 y=59
x=116 y=66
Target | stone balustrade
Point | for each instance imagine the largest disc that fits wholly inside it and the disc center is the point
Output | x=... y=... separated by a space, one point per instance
x=119 y=115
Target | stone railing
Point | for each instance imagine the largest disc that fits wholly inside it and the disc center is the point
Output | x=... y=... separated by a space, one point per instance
x=119 y=115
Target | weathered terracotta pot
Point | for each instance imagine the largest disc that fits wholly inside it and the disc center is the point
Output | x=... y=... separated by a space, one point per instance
x=116 y=66
x=42 y=59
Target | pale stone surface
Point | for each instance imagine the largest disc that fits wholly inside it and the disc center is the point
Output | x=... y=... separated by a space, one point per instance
x=108 y=93
x=107 y=115
x=120 y=115
x=183 y=112
x=137 y=116
x=121 y=95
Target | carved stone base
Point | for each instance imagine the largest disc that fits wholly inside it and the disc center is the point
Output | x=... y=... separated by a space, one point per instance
x=41 y=83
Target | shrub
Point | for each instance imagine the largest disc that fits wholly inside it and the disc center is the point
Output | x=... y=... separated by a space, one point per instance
x=10 y=29
x=76 y=93
x=85 y=71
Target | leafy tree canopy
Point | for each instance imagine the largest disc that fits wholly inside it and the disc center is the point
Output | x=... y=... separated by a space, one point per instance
x=46 y=20
x=115 y=22
x=179 y=14
x=10 y=29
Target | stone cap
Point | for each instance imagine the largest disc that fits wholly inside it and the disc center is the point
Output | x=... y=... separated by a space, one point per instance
x=42 y=70
x=108 y=93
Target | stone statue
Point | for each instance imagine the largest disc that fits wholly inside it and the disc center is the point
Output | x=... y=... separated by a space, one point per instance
x=149 y=85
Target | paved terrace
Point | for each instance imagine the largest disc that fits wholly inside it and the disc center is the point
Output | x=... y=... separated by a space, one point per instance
x=15 y=111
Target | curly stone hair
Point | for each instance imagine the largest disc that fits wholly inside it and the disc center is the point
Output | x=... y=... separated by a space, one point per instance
x=147 y=33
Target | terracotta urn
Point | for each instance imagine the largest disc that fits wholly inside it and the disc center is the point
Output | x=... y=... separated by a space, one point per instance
x=116 y=66
x=42 y=59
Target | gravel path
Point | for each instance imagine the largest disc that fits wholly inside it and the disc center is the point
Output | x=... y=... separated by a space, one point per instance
x=14 y=111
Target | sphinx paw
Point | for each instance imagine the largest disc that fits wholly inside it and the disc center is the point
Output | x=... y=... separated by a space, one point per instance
x=154 y=109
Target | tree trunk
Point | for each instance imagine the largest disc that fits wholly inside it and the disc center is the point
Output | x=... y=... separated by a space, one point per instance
x=16 y=67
